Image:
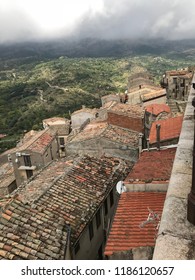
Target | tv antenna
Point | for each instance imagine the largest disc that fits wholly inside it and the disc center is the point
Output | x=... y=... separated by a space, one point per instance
x=152 y=218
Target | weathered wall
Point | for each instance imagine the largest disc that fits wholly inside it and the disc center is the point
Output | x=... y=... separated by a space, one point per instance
x=100 y=146
x=147 y=187
x=37 y=159
x=139 y=253
x=176 y=236
x=89 y=248
x=79 y=118
x=158 y=100
x=135 y=124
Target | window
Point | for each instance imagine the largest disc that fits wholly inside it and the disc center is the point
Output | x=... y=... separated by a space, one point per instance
x=29 y=173
x=105 y=207
x=91 y=233
x=77 y=247
x=61 y=141
x=27 y=161
x=98 y=219
x=111 y=198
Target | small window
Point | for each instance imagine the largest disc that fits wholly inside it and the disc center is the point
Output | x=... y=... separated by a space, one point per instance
x=111 y=198
x=27 y=160
x=91 y=233
x=61 y=141
x=29 y=173
x=77 y=248
x=105 y=207
x=98 y=219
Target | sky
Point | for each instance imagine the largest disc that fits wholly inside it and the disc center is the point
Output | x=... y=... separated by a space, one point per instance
x=24 y=20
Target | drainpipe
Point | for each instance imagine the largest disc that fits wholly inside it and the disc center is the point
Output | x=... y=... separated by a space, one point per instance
x=158 y=136
x=191 y=195
x=140 y=143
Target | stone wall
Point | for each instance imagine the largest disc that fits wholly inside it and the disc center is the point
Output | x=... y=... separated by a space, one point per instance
x=176 y=236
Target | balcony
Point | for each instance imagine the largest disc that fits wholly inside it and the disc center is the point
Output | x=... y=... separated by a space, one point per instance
x=24 y=167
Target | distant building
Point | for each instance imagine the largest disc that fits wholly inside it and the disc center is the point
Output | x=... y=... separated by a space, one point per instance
x=110 y=98
x=142 y=90
x=64 y=212
x=79 y=117
x=177 y=83
x=61 y=127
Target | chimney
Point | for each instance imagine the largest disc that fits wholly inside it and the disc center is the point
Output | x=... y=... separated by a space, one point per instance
x=158 y=136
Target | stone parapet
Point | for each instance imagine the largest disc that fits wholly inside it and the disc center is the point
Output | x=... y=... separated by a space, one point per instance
x=176 y=236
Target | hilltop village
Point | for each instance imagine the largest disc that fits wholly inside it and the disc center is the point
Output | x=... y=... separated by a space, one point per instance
x=94 y=186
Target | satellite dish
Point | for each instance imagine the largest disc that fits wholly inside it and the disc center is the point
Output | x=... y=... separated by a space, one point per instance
x=120 y=187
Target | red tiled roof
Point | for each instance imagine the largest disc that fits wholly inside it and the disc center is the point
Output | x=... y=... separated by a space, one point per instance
x=156 y=109
x=153 y=166
x=170 y=129
x=132 y=211
x=33 y=225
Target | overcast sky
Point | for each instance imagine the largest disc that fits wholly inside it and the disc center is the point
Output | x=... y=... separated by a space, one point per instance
x=23 y=20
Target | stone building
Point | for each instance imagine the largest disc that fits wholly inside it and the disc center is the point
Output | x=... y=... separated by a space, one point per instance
x=177 y=83
x=64 y=212
x=79 y=117
x=34 y=151
x=99 y=138
x=110 y=98
x=61 y=127
x=7 y=179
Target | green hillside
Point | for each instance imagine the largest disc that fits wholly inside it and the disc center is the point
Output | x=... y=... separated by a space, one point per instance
x=32 y=89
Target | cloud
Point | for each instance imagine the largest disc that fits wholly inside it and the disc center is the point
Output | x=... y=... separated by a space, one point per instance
x=22 y=20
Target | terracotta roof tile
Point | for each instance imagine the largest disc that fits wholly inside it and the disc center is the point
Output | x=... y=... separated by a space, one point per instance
x=111 y=132
x=34 y=222
x=170 y=129
x=156 y=109
x=128 y=110
x=153 y=166
x=126 y=232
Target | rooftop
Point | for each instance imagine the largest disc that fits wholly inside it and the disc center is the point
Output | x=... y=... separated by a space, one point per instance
x=153 y=165
x=133 y=209
x=55 y=121
x=170 y=129
x=134 y=111
x=85 y=110
x=36 y=141
x=153 y=94
x=156 y=109
x=111 y=132
x=33 y=222
x=6 y=175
